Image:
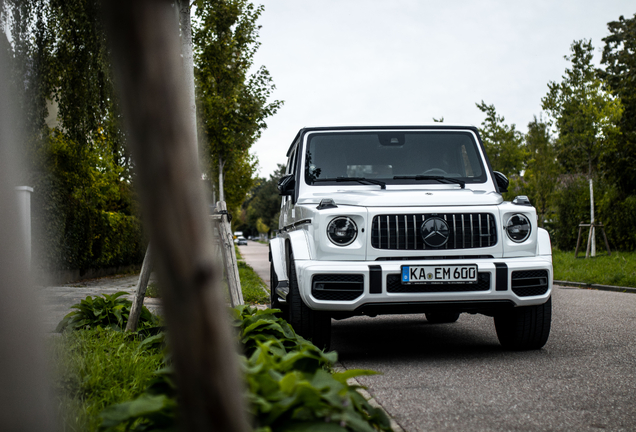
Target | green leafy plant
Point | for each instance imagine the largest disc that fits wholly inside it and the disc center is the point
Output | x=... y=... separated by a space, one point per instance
x=156 y=409
x=107 y=311
x=290 y=386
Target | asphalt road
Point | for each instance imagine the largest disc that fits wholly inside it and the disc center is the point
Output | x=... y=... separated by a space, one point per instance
x=456 y=377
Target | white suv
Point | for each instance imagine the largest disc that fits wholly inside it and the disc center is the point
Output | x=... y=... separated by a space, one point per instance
x=386 y=220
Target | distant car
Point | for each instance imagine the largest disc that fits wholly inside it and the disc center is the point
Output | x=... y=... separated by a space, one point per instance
x=241 y=241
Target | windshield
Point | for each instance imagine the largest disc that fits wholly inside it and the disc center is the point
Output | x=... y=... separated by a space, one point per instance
x=402 y=157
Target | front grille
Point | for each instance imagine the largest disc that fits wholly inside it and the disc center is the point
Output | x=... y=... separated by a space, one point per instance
x=337 y=287
x=403 y=232
x=530 y=282
x=394 y=285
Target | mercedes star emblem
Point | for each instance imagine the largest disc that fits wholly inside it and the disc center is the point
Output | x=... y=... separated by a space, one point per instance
x=435 y=232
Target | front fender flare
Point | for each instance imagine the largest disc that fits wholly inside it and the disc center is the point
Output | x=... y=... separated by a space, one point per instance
x=544 y=247
x=279 y=262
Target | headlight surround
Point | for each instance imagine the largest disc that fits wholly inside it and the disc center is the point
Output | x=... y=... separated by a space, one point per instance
x=518 y=228
x=342 y=231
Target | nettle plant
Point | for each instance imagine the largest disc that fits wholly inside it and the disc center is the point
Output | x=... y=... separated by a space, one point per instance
x=108 y=311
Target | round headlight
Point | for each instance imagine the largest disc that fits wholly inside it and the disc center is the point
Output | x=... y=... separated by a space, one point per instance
x=342 y=231
x=518 y=228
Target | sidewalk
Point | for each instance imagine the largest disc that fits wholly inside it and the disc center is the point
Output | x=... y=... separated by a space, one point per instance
x=57 y=300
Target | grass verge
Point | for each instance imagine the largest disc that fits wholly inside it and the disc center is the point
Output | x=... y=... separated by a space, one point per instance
x=617 y=269
x=253 y=287
x=94 y=369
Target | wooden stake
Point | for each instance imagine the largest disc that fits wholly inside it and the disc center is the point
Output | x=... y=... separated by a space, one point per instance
x=229 y=255
x=140 y=292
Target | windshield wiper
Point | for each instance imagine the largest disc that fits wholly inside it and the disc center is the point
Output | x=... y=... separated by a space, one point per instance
x=440 y=179
x=355 y=179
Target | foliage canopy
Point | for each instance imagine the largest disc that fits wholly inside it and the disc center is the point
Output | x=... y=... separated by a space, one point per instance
x=232 y=102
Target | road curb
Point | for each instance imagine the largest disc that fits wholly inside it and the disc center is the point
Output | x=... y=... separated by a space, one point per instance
x=599 y=287
x=395 y=426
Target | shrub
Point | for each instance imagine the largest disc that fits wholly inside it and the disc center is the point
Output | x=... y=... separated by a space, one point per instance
x=108 y=311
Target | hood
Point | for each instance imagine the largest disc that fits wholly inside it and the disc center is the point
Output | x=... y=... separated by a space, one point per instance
x=406 y=198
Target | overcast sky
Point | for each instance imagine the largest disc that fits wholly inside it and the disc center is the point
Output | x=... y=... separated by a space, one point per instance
x=403 y=62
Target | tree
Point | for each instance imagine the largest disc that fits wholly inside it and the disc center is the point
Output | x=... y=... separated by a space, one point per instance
x=265 y=201
x=584 y=115
x=542 y=170
x=232 y=104
x=83 y=205
x=619 y=58
x=504 y=144
x=240 y=179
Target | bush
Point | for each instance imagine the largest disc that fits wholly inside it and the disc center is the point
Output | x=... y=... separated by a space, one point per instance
x=618 y=214
x=108 y=311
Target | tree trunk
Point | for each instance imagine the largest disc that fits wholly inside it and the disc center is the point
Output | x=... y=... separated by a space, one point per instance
x=592 y=228
x=149 y=71
x=25 y=396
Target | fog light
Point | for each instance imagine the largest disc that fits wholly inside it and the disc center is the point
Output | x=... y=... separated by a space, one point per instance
x=342 y=231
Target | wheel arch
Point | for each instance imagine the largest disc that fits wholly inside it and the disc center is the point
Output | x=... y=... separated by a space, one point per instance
x=278 y=258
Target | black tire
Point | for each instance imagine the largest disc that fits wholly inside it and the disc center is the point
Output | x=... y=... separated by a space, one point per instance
x=274 y=302
x=442 y=317
x=310 y=324
x=525 y=328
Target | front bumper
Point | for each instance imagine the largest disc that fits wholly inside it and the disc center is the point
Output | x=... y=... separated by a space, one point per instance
x=500 y=281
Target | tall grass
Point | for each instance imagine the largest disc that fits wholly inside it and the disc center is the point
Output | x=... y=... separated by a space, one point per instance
x=253 y=287
x=94 y=369
x=616 y=269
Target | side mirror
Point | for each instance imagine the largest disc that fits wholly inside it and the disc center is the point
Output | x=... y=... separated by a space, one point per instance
x=286 y=185
x=502 y=181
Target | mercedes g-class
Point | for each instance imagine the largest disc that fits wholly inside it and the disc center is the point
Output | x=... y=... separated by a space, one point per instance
x=388 y=220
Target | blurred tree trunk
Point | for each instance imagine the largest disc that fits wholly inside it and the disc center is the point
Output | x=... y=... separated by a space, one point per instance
x=149 y=70
x=25 y=403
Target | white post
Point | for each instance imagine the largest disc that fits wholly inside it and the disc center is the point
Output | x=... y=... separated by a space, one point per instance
x=188 y=63
x=592 y=233
x=221 y=191
x=23 y=194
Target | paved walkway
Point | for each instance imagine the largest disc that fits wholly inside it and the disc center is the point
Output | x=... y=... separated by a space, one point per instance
x=57 y=300
x=257 y=256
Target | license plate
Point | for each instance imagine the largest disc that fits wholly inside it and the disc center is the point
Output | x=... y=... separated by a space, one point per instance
x=439 y=274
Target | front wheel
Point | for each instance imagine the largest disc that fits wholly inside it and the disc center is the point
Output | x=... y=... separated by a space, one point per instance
x=310 y=324
x=525 y=328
